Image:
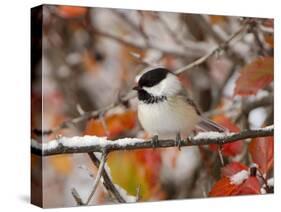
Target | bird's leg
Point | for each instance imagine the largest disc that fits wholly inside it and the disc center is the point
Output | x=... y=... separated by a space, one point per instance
x=178 y=140
x=155 y=141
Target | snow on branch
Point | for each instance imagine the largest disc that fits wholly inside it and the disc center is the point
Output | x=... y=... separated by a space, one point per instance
x=88 y=144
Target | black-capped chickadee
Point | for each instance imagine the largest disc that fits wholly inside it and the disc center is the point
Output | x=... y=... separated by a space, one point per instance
x=164 y=109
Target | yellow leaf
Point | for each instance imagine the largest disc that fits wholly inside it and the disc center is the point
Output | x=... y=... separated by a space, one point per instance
x=62 y=164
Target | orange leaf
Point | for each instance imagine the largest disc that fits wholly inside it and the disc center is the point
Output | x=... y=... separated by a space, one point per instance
x=232 y=168
x=230 y=149
x=71 y=11
x=217 y=19
x=269 y=40
x=255 y=76
x=62 y=164
x=223 y=187
x=116 y=125
x=261 y=150
x=94 y=127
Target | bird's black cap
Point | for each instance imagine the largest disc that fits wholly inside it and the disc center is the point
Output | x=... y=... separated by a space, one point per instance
x=153 y=77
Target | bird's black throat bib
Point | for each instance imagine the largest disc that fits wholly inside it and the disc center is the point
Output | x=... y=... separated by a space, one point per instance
x=148 y=98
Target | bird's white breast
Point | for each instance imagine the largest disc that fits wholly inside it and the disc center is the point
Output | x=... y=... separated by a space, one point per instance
x=168 y=117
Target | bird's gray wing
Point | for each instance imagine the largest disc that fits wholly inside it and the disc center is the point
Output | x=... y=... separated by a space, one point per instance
x=184 y=93
x=208 y=125
x=204 y=124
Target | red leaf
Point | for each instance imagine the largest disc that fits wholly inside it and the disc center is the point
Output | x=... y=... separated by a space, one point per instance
x=268 y=23
x=150 y=160
x=261 y=150
x=230 y=149
x=226 y=122
x=232 y=168
x=250 y=186
x=255 y=76
x=223 y=187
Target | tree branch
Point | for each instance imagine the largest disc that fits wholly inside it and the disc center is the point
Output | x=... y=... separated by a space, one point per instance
x=99 y=144
x=249 y=105
x=220 y=47
x=98 y=177
x=107 y=182
x=77 y=197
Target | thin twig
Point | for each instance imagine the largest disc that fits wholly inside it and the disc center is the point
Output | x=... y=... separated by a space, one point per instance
x=208 y=28
x=142 y=26
x=141 y=60
x=221 y=88
x=130 y=23
x=76 y=197
x=267 y=188
x=107 y=182
x=174 y=35
x=247 y=106
x=266 y=30
x=138 y=196
x=221 y=47
x=96 y=144
x=98 y=177
x=255 y=30
x=220 y=155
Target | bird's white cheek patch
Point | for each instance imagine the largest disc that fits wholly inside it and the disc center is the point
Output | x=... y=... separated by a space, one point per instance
x=167 y=87
x=156 y=90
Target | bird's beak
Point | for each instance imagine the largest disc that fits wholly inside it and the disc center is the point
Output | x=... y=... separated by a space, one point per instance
x=137 y=88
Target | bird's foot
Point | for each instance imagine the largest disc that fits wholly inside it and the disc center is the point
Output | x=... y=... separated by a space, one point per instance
x=155 y=141
x=178 y=141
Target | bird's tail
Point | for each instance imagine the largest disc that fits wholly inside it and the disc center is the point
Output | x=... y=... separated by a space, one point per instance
x=208 y=125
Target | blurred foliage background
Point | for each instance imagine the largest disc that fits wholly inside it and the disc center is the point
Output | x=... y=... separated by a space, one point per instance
x=90 y=57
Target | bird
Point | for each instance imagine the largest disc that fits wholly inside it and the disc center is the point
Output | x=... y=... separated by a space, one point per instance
x=164 y=107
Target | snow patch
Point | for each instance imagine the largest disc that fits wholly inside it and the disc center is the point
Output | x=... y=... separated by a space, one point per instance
x=271 y=127
x=239 y=177
x=263 y=191
x=209 y=135
x=35 y=144
x=126 y=141
x=270 y=182
x=50 y=145
x=257 y=117
x=83 y=142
